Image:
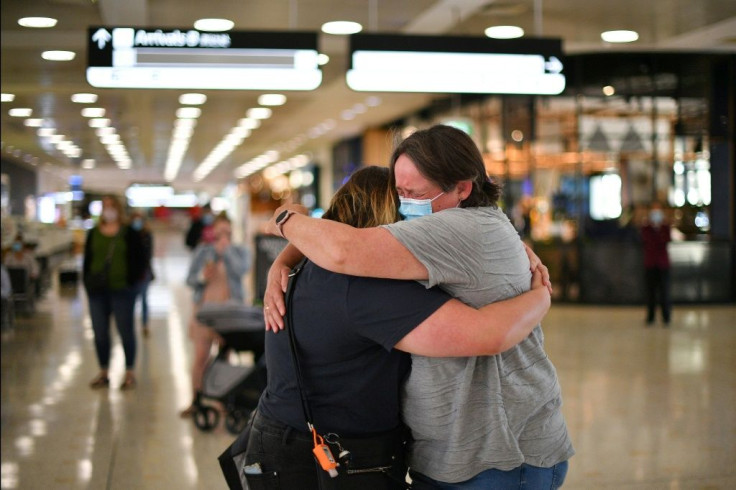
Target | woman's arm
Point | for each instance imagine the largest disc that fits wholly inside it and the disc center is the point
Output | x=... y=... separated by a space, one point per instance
x=195 y=267
x=457 y=330
x=367 y=252
x=278 y=278
x=87 y=258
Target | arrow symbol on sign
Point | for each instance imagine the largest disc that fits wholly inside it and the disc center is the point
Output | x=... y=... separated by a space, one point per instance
x=101 y=37
x=553 y=65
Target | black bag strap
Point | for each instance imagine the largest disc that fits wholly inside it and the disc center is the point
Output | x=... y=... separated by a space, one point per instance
x=289 y=320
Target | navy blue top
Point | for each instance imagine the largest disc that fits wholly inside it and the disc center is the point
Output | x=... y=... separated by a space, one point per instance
x=345 y=328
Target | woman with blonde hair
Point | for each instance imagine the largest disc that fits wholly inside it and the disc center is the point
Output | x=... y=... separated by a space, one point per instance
x=113 y=268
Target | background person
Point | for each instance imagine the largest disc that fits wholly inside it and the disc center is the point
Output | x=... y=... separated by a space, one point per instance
x=216 y=276
x=7 y=315
x=655 y=235
x=140 y=224
x=346 y=328
x=506 y=426
x=113 y=267
x=197 y=229
x=21 y=255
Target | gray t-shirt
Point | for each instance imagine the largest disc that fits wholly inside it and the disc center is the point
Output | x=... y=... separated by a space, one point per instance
x=471 y=414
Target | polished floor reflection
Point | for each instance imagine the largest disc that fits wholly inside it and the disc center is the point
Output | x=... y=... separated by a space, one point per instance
x=648 y=408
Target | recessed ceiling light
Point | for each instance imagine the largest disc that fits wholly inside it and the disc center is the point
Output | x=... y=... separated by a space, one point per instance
x=188 y=112
x=38 y=22
x=608 y=90
x=341 y=27
x=84 y=98
x=249 y=123
x=192 y=99
x=214 y=25
x=8 y=97
x=58 y=55
x=620 y=36
x=259 y=113
x=322 y=59
x=272 y=99
x=33 y=122
x=93 y=112
x=20 y=112
x=99 y=122
x=504 y=32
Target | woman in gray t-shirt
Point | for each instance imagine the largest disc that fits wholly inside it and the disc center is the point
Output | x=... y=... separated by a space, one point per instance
x=478 y=421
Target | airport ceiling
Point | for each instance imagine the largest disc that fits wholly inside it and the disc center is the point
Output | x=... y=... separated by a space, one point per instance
x=144 y=118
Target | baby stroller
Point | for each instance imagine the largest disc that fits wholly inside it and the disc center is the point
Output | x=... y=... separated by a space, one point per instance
x=237 y=387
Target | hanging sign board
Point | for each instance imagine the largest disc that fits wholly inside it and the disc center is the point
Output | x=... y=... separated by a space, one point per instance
x=396 y=63
x=132 y=57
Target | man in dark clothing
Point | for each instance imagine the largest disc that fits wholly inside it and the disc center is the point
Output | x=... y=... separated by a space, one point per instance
x=655 y=235
x=199 y=223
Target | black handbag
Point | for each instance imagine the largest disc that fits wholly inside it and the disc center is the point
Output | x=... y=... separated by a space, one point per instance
x=232 y=459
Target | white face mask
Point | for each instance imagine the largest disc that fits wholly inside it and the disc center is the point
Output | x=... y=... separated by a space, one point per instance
x=416 y=208
x=110 y=215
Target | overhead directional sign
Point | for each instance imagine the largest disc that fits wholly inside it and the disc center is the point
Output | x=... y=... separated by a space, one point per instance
x=397 y=63
x=132 y=57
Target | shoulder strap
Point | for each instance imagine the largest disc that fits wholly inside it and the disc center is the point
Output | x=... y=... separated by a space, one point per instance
x=289 y=320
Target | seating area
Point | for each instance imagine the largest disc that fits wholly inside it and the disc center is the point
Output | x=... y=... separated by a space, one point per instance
x=30 y=277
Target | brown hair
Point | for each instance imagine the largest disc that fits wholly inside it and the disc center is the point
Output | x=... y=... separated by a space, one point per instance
x=366 y=200
x=446 y=155
x=115 y=201
x=222 y=216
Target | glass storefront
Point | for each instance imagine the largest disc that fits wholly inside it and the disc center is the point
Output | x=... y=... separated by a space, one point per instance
x=580 y=169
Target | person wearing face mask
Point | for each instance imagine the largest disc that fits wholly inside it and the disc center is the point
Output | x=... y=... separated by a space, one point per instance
x=139 y=223
x=21 y=256
x=655 y=235
x=216 y=276
x=113 y=267
x=477 y=422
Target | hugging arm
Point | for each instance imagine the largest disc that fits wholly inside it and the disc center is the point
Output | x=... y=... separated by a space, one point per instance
x=457 y=330
x=367 y=252
x=337 y=247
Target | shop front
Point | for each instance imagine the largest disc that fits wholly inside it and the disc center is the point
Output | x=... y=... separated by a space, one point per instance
x=580 y=170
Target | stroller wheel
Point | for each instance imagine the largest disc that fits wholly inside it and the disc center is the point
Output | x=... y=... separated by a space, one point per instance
x=236 y=421
x=206 y=418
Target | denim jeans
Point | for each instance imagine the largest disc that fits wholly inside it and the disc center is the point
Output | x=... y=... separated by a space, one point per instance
x=121 y=305
x=524 y=477
x=143 y=292
x=284 y=460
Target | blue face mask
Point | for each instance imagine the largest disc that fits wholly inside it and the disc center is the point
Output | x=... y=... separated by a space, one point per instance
x=416 y=208
x=208 y=219
x=137 y=224
x=17 y=247
x=656 y=217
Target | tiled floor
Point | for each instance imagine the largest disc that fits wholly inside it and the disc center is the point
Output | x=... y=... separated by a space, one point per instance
x=647 y=408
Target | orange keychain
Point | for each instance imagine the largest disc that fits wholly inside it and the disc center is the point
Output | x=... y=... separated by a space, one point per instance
x=324 y=455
